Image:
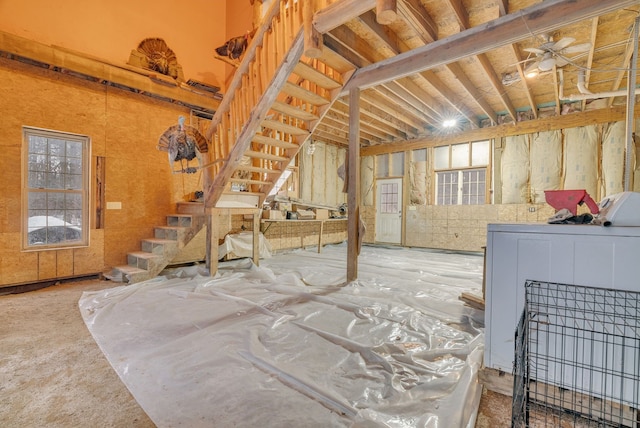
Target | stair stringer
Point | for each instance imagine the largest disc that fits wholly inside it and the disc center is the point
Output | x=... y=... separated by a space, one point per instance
x=257 y=116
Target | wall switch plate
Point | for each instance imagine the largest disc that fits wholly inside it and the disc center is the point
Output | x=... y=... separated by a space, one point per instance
x=114 y=205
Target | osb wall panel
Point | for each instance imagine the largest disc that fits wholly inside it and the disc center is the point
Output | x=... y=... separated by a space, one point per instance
x=123 y=127
x=464 y=227
x=288 y=235
x=89 y=260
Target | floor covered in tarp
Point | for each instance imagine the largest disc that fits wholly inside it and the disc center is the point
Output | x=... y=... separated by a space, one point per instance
x=287 y=344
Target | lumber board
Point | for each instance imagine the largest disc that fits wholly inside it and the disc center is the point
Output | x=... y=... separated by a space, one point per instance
x=139 y=79
x=507 y=29
x=572 y=120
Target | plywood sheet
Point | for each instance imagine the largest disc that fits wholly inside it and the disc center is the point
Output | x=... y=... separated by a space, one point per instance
x=90 y=259
x=64 y=263
x=47 y=268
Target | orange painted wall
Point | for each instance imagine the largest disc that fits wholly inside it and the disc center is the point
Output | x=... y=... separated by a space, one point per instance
x=124 y=129
x=110 y=29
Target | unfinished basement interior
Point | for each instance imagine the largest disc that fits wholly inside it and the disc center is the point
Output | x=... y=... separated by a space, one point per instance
x=320 y=213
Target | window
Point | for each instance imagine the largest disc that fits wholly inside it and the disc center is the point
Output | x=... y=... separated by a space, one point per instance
x=390 y=165
x=55 y=192
x=460 y=181
x=389 y=198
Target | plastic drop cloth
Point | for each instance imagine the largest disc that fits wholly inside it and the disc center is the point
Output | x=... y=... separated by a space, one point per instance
x=284 y=345
x=238 y=245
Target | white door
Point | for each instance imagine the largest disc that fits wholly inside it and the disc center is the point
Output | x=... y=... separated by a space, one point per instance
x=389 y=210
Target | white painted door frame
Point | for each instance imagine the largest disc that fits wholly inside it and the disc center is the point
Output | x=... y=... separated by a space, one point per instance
x=389 y=210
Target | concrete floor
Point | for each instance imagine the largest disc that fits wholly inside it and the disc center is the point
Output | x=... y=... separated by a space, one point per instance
x=53 y=374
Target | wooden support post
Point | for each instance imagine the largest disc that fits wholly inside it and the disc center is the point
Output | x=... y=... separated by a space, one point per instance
x=320 y=236
x=353 y=189
x=312 y=38
x=386 y=12
x=256 y=237
x=213 y=217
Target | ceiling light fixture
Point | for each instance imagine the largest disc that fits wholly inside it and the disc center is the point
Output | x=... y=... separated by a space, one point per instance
x=449 y=123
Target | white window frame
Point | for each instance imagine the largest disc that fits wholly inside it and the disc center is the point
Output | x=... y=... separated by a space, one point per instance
x=458 y=191
x=66 y=202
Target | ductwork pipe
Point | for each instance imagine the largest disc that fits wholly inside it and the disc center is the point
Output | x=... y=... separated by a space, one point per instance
x=585 y=93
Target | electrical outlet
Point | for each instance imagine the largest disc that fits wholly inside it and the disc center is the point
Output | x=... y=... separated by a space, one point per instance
x=532 y=209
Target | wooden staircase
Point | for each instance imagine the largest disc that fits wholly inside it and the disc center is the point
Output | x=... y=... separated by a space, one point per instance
x=289 y=94
x=270 y=109
x=158 y=252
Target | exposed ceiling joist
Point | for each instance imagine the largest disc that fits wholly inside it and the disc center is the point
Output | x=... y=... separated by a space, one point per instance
x=622 y=70
x=471 y=89
x=496 y=83
x=461 y=13
x=523 y=80
x=386 y=100
x=592 y=40
x=415 y=14
x=451 y=97
x=340 y=12
x=511 y=28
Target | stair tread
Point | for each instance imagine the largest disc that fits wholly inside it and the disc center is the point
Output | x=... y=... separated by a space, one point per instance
x=144 y=255
x=308 y=72
x=283 y=127
x=159 y=240
x=261 y=139
x=304 y=94
x=244 y=193
x=261 y=155
x=258 y=170
x=292 y=111
x=249 y=181
x=127 y=269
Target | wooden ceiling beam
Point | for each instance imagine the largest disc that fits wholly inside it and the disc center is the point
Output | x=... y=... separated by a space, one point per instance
x=496 y=83
x=416 y=15
x=463 y=19
x=622 y=70
x=329 y=138
x=334 y=120
x=385 y=100
x=572 y=120
x=387 y=134
x=351 y=46
x=413 y=94
x=507 y=29
x=471 y=89
x=523 y=80
x=556 y=90
x=340 y=12
x=418 y=98
x=384 y=122
x=369 y=20
x=503 y=6
x=592 y=40
x=451 y=97
x=460 y=12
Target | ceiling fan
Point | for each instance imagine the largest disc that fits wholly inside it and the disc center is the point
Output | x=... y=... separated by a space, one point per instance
x=551 y=54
